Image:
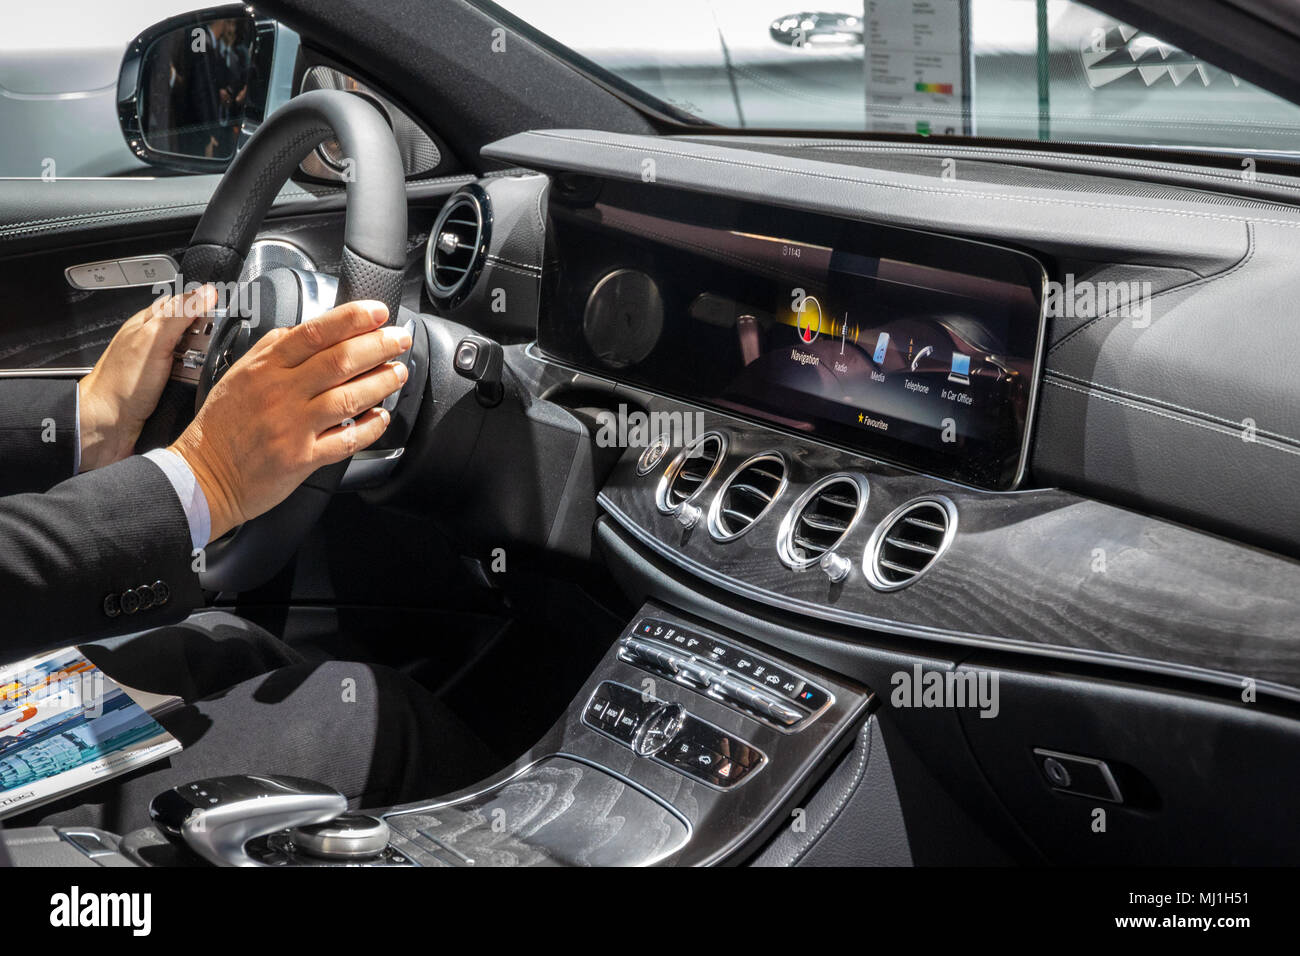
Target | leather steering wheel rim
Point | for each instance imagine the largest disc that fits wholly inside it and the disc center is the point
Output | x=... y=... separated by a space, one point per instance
x=374 y=235
x=372 y=267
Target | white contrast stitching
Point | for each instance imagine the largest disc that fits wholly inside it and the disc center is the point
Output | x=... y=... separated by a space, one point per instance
x=858 y=773
x=522 y=265
x=35 y=225
x=1236 y=425
x=498 y=264
x=1207 y=426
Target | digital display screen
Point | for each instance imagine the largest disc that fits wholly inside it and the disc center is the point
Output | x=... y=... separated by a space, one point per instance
x=907 y=346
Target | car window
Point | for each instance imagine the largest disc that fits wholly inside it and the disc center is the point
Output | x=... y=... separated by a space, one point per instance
x=59 y=64
x=1024 y=69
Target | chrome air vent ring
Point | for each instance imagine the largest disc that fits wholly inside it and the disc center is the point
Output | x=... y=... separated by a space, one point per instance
x=457 y=247
x=830 y=509
x=741 y=504
x=909 y=542
x=681 y=485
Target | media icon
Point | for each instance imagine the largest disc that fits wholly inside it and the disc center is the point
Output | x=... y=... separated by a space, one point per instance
x=960 y=369
x=882 y=345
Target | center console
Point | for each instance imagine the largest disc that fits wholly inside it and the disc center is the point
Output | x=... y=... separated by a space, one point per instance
x=685 y=746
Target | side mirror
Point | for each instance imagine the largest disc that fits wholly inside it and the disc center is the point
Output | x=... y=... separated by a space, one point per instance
x=194 y=87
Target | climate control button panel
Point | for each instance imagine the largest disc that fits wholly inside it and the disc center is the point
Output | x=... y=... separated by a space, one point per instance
x=669 y=734
x=758 y=687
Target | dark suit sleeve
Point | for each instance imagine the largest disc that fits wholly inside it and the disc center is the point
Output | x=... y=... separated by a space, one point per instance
x=38 y=433
x=105 y=552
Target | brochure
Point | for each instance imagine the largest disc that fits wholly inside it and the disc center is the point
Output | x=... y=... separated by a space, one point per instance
x=66 y=725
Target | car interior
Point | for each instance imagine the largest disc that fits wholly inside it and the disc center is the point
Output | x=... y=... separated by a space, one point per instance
x=760 y=495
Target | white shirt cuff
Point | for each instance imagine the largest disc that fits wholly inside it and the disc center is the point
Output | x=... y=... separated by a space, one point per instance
x=76 y=431
x=193 y=501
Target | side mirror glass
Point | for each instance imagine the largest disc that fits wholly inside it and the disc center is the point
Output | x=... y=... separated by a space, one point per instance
x=193 y=87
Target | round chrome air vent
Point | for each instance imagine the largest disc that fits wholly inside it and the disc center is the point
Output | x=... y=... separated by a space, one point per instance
x=457 y=246
x=820 y=519
x=908 y=542
x=747 y=495
x=690 y=472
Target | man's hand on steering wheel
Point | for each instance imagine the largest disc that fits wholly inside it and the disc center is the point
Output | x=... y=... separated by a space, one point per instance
x=302 y=398
x=123 y=388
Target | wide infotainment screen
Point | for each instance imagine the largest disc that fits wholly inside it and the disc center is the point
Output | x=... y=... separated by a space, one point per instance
x=907 y=346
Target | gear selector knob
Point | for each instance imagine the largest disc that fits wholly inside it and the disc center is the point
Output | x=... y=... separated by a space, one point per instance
x=217 y=816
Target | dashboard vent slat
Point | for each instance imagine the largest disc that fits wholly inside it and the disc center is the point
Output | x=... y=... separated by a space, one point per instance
x=746 y=496
x=822 y=523
x=909 y=542
x=744 y=489
x=840 y=501
x=900 y=568
x=928 y=525
x=910 y=545
x=822 y=518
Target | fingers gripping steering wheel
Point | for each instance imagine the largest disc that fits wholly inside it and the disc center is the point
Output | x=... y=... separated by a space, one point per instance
x=373 y=263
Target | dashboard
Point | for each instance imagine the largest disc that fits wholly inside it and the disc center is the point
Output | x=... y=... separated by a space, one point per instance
x=909 y=346
x=673 y=302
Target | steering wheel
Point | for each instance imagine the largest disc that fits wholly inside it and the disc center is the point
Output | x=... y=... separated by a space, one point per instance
x=373 y=264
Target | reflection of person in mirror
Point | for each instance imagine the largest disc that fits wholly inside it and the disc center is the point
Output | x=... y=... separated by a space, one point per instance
x=197 y=102
x=234 y=56
x=208 y=78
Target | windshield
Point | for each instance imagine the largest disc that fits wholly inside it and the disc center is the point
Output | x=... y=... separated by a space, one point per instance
x=1047 y=70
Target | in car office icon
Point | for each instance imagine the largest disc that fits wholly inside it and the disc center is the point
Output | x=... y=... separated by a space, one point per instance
x=960 y=369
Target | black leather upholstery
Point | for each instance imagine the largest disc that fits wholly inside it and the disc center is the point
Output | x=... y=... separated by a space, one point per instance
x=853 y=819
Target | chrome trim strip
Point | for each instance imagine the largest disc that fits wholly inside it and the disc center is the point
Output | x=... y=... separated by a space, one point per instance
x=380 y=454
x=45 y=372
